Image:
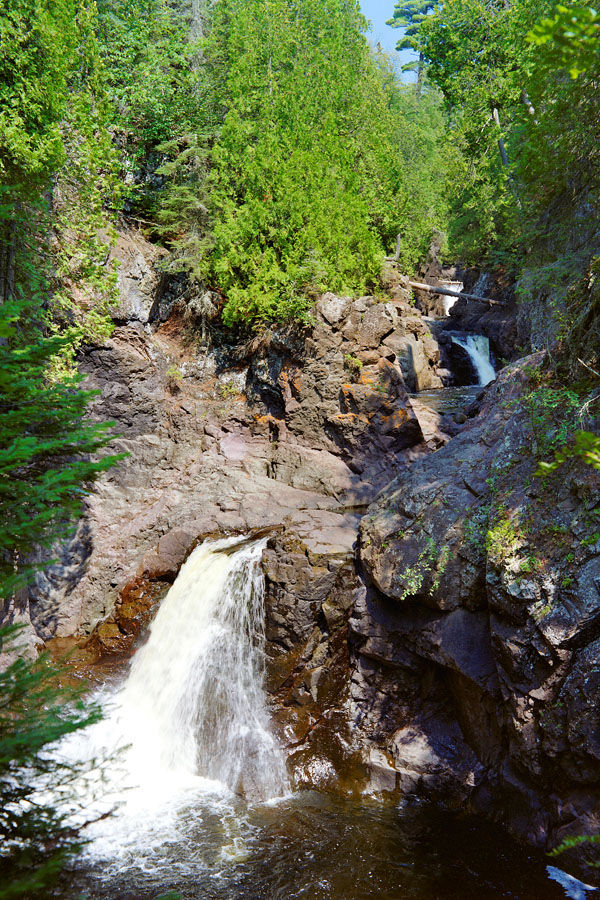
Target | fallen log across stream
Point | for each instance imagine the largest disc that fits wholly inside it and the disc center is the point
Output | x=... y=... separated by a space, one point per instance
x=448 y=292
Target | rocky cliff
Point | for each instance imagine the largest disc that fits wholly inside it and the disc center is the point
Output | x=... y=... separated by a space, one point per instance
x=494 y=580
x=433 y=610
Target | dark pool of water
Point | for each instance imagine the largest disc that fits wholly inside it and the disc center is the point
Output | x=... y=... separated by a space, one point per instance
x=317 y=847
x=449 y=400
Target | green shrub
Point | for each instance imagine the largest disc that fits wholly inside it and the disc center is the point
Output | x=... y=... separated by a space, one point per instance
x=503 y=540
x=174 y=377
x=353 y=365
x=553 y=417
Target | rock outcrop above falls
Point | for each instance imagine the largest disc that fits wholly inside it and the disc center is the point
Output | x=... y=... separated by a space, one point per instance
x=297 y=428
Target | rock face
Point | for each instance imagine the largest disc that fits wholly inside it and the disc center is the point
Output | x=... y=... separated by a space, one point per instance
x=409 y=653
x=342 y=386
x=291 y=430
x=494 y=578
x=310 y=594
x=139 y=279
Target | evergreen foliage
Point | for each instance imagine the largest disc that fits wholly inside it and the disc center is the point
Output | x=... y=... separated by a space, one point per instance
x=569 y=39
x=153 y=81
x=308 y=184
x=409 y=15
x=45 y=457
x=58 y=169
x=520 y=83
x=275 y=156
x=37 y=835
x=36 y=50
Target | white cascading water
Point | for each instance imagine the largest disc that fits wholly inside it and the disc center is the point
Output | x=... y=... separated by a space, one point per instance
x=450 y=301
x=194 y=700
x=192 y=714
x=478 y=348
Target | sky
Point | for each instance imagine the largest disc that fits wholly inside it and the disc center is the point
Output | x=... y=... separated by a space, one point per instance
x=378 y=12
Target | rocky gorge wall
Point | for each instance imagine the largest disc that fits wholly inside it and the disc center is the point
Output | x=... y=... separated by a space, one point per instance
x=494 y=578
x=408 y=655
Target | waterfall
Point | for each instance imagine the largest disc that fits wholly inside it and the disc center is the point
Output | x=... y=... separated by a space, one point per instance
x=189 y=728
x=478 y=348
x=194 y=700
x=450 y=301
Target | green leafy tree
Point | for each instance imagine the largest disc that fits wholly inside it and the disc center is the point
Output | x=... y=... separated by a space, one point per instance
x=499 y=68
x=150 y=55
x=58 y=172
x=36 y=51
x=87 y=190
x=569 y=39
x=476 y=59
x=478 y=55
x=276 y=157
x=409 y=16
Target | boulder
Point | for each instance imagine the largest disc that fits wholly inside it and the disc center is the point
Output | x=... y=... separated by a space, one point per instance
x=376 y=323
x=164 y=562
x=334 y=309
x=416 y=359
x=138 y=277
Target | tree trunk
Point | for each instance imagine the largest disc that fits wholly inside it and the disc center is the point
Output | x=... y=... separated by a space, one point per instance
x=8 y=248
x=448 y=292
x=398 y=246
x=420 y=68
x=504 y=157
x=501 y=146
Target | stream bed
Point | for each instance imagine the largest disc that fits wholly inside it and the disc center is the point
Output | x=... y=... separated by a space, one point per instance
x=449 y=400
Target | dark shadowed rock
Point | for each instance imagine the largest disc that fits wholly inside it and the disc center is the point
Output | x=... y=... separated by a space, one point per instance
x=468 y=532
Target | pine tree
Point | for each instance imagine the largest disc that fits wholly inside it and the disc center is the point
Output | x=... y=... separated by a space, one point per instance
x=307 y=185
x=37 y=835
x=409 y=15
x=47 y=449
